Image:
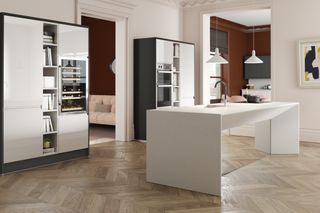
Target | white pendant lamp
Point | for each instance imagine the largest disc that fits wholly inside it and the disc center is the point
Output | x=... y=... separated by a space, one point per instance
x=217 y=58
x=253 y=59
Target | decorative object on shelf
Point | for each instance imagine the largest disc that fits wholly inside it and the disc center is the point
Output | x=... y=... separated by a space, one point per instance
x=309 y=63
x=48 y=82
x=253 y=59
x=249 y=86
x=217 y=58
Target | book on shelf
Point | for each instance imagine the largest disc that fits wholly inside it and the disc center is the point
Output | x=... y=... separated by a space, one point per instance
x=48 y=56
x=47 y=124
x=48 y=37
x=44 y=57
x=48 y=101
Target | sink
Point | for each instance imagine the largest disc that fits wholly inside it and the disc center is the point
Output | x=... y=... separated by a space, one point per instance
x=215 y=105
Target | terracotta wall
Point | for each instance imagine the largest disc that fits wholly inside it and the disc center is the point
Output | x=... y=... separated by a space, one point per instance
x=240 y=45
x=262 y=43
x=102 y=53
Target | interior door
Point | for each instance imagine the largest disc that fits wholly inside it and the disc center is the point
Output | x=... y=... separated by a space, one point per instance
x=186 y=74
x=23 y=61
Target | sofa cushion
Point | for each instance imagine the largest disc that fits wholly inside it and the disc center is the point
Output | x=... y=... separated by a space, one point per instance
x=92 y=106
x=95 y=113
x=103 y=107
x=105 y=117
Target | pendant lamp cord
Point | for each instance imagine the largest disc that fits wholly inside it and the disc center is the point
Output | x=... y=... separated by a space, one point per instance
x=216 y=31
x=253 y=38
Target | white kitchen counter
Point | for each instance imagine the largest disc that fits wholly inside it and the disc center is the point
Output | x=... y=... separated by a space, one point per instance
x=184 y=143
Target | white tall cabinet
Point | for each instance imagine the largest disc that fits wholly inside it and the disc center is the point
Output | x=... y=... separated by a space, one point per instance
x=22 y=89
x=24 y=68
x=187 y=75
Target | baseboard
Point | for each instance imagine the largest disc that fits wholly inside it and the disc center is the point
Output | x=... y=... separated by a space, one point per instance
x=306 y=135
x=310 y=135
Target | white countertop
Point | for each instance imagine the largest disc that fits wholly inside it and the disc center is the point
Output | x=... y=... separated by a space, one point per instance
x=231 y=108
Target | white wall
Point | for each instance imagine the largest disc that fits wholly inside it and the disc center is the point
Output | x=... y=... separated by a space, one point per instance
x=60 y=10
x=151 y=19
x=290 y=24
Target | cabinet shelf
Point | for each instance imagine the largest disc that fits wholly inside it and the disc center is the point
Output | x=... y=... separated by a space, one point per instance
x=72 y=92
x=71 y=79
x=72 y=98
x=47 y=67
x=50 y=133
x=164 y=85
x=71 y=73
x=50 y=44
x=50 y=110
x=165 y=71
x=72 y=109
x=49 y=153
x=54 y=88
x=71 y=68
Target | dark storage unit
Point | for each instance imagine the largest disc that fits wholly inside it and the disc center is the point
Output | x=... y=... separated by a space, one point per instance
x=162 y=72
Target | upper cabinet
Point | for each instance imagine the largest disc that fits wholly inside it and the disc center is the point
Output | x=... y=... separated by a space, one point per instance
x=22 y=62
x=73 y=42
x=164 y=52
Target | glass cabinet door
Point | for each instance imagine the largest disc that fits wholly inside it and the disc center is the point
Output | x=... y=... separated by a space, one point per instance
x=164 y=96
x=73 y=85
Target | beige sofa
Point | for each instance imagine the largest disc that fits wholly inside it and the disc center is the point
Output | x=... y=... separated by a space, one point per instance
x=102 y=109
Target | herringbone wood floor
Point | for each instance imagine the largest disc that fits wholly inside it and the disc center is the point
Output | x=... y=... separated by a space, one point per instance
x=113 y=180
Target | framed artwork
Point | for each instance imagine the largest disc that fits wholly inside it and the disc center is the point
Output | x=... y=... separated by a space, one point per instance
x=309 y=63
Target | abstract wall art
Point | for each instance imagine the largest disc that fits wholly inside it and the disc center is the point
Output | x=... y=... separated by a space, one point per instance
x=309 y=63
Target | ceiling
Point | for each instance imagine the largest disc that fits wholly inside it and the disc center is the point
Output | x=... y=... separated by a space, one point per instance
x=248 y=18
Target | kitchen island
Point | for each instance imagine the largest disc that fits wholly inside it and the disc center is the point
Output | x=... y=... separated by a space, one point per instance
x=184 y=143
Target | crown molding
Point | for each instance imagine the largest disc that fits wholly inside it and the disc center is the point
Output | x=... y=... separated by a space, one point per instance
x=186 y=3
x=195 y=3
x=170 y=3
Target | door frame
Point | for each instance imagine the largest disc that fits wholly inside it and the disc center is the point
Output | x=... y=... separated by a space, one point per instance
x=120 y=13
x=205 y=39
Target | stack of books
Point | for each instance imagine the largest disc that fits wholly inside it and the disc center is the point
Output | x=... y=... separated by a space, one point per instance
x=48 y=101
x=47 y=124
x=48 y=39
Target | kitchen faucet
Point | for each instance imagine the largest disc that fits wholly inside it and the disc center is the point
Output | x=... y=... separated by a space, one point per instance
x=225 y=90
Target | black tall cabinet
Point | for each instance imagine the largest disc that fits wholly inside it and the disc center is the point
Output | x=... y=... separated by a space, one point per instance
x=163 y=76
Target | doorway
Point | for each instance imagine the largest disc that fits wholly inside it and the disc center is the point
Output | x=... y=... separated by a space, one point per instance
x=102 y=108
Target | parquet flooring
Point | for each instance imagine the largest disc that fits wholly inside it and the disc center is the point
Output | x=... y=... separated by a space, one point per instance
x=113 y=180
